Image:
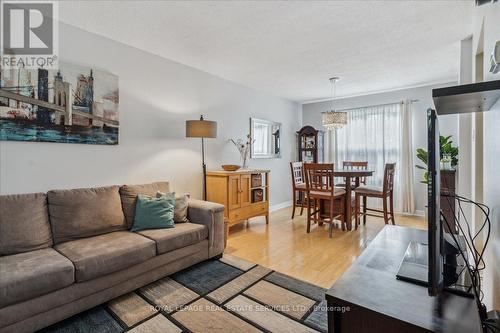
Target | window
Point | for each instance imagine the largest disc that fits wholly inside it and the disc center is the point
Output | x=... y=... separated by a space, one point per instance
x=372 y=134
x=378 y=134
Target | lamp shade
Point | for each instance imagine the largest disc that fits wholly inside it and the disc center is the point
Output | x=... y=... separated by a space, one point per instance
x=201 y=129
x=334 y=119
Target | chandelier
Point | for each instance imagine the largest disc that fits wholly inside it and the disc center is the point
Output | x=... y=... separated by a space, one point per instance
x=333 y=119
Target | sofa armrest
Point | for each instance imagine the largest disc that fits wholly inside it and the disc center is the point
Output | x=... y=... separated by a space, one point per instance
x=211 y=215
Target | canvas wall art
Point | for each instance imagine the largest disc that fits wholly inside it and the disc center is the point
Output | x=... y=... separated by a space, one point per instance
x=75 y=104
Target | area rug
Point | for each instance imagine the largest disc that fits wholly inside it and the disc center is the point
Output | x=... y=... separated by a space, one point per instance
x=225 y=295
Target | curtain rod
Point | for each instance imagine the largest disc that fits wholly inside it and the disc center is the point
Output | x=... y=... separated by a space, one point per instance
x=384 y=104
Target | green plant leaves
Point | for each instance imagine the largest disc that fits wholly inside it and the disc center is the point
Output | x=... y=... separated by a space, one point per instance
x=446 y=148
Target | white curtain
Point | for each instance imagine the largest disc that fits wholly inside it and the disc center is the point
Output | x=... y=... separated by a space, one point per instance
x=407 y=202
x=378 y=134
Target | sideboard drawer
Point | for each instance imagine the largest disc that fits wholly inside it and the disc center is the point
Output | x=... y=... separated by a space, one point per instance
x=247 y=212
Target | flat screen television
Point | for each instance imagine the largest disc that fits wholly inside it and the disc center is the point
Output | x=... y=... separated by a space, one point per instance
x=436 y=264
x=435 y=234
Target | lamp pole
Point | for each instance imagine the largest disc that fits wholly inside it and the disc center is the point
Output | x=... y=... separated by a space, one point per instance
x=204 y=166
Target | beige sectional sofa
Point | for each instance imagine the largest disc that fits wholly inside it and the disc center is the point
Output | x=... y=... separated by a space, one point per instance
x=69 y=250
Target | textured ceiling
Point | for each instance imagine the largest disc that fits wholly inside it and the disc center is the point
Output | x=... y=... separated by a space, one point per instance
x=290 y=49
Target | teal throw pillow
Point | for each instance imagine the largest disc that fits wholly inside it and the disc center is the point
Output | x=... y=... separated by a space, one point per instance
x=154 y=213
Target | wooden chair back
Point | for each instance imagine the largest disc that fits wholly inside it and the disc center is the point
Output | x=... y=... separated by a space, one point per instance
x=319 y=177
x=352 y=165
x=297 y=169
x=389 y=170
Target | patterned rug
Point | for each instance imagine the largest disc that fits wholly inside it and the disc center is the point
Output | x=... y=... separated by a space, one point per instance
x=226 y=295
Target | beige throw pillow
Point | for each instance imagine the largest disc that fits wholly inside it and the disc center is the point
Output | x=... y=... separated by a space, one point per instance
x=181 y=206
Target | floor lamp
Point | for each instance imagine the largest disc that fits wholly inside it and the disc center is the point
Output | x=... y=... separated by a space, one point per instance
x=202 y=129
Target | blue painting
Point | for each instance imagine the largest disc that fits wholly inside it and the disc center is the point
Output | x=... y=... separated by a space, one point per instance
x=74 y=104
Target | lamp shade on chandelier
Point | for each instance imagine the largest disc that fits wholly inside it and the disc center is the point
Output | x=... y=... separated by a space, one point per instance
x=333 y=119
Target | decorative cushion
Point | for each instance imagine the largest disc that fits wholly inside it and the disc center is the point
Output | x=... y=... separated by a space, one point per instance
x=24 y=223
x=100 y=255
x=301 y=186
x=184 y=234
x=31 y=274
x=154 y=213
x=181 y=206
x=85 y=212
x=369 y=190
x=337 y=192
x=129 y=194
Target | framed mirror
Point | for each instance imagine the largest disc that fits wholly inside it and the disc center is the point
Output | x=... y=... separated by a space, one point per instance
x=266 y=135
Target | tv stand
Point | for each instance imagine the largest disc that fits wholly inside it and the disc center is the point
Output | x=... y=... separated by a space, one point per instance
x=368 y=297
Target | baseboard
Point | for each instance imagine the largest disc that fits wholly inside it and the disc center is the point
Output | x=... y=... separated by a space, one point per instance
x=417 y=213
x=273 y=208
x=279 y=206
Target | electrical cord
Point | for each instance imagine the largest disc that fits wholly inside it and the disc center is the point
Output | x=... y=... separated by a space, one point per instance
x=491 y=326
x=479 y=261
x=479 y=264
x=461 y=253
x=471 y=269
x=471 y=248
x=475 y=269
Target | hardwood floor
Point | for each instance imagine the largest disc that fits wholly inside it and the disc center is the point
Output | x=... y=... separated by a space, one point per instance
x=284 y=245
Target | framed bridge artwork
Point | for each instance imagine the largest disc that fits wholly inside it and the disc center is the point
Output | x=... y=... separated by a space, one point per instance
x=75 y=104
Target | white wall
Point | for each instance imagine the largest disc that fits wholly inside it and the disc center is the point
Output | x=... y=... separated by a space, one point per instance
x=156 y=97
x=448 y=124
x=490 y=15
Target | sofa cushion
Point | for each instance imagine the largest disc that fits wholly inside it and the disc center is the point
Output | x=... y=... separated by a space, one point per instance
x=182 y=235
x=31 y=274
x=181 y=206
x=129 y=194
x=85 y=212
x=100 y=255
x=24 y=223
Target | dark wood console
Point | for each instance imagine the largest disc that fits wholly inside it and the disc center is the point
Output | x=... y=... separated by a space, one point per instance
x=369 y=298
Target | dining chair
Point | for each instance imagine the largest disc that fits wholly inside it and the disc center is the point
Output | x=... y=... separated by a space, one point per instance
x=298 y=187
x=320 y=188
x=354 y=165
x=384 y=193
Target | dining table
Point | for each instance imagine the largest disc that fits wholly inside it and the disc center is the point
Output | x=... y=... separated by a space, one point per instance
x=349 y=175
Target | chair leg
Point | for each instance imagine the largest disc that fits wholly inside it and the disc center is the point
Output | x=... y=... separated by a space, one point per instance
x=330 y=228
x=308 y=228
x=386 y=215
x=343 y=216
x=391 y=198
x=302 y=202
x=356 y=211
x=317 y=205
x=294 y=203
x=364 y=210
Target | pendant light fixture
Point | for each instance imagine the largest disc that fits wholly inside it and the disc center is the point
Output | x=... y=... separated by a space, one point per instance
x=333 y=119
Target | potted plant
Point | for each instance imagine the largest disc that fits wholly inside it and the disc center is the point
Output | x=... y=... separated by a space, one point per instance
x=447 y=151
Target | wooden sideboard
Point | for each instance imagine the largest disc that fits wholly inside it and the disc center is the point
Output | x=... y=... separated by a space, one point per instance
x=448 y=187
x=234 y=190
